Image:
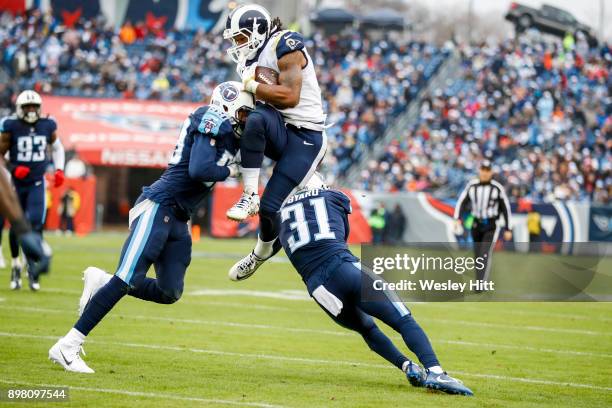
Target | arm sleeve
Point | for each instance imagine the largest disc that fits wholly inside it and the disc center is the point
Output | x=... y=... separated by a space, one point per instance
x=462 y=202
x=202 y=165
x=504 y=206
x=59 y=156
x=288 y=42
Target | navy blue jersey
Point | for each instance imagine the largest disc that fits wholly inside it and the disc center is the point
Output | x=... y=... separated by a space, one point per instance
x=314 y=227
x=28 y=145
x=205 y=146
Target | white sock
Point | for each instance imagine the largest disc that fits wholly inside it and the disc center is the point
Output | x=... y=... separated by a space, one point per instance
x=15 y=262
x=436 y=369
x=405 y=365
x=250 y=179
x=263 y=249
x=74 y=336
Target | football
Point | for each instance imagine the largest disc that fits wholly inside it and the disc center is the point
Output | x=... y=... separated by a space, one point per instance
x=265 y=75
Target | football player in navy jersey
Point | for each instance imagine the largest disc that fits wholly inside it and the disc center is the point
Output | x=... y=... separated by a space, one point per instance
x=39 y=258
x=289 y=115
x=314 y=230
x=25 y=136
x=159 y=234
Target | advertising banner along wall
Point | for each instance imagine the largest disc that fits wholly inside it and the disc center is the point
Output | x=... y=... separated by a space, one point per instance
x=112 y=132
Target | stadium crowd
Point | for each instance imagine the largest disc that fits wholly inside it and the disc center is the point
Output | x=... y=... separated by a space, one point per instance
x=91 y=59
x=540 y=109
x=365 y=83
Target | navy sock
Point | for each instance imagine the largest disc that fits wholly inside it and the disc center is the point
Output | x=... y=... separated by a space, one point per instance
x=382 y=345
x=14 y=244
x=251 y=159
x=149 y=290
x=99 y=305
x=417 y=341
x=269 y=225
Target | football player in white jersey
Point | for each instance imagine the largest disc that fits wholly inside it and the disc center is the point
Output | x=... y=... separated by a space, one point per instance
x=288 y=124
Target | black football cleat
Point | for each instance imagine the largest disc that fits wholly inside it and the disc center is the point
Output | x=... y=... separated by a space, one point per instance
x=445 y=383
x=415 y=374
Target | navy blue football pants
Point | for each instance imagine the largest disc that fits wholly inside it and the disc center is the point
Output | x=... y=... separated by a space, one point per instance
x=33 y=200
x=156 y=238
x=336 y=286
x=297 y=152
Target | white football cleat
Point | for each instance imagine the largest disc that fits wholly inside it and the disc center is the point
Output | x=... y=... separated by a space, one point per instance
x=245 y=267
x=93 y=278
x=247 y=206
x=68 y=355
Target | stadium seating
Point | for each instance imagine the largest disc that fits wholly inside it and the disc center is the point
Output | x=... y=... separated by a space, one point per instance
x=540 y=111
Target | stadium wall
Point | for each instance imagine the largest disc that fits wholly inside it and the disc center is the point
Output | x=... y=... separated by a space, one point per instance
x=431 y=220
x=208 y=15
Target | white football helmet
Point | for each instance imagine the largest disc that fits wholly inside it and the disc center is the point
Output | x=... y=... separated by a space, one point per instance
x=230 y=98
x=28 y=98
x=254 y=23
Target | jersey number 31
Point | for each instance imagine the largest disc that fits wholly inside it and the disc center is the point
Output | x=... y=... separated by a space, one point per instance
x=296 y=213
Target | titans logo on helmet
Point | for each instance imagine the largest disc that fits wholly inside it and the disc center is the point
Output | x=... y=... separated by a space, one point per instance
x=229 y=92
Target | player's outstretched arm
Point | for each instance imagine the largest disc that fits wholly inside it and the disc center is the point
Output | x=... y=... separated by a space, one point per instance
x=287 y=93
x=202 y=165
x=59 y=159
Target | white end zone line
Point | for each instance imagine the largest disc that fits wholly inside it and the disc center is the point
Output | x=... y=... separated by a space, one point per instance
x=309 y=361
x=145 y=394
x=345 y=333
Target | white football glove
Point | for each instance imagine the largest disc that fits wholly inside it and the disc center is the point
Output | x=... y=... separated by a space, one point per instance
x=248 y=79
x=234 y=170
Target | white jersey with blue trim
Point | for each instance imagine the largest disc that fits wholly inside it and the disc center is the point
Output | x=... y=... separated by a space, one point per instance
x=309 y=111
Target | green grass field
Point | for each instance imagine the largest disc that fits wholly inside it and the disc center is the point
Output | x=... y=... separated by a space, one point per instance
x=262 y=342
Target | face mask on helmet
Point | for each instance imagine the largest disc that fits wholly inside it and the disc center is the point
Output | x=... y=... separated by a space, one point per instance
x=28 y=113
x=28 y=105
x=234 y=103
x=248 y=28
x=239 y=120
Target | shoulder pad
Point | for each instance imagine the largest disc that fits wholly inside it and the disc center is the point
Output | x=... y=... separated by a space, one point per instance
x=6 y=123
x=287 y=42
x=342 y=200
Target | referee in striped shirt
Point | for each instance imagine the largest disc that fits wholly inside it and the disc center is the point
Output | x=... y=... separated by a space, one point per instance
x=486 y=199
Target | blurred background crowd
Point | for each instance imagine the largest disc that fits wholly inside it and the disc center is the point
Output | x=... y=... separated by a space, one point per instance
x=539 y=108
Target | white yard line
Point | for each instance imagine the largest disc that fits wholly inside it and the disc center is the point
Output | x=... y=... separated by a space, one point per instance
x=337 y=333
x=190 y=321
x=519 y=327
x=162 y=396
x=309 y=360
x=514 y=311
x=524 y=348
x=344 y=333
